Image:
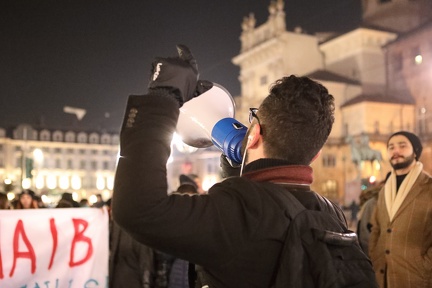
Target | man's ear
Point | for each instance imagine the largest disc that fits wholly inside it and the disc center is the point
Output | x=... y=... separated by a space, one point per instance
x=316 y=156
x=254 y=136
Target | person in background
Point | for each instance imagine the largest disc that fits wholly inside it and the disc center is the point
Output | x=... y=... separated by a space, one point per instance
x=26 y=200
x=39 y=201
x=174 y=272
x=99 y=202
x=235 y=233
x=66 y=198
x=84 y=203
x=400 y=244
x=187 y=185
x=368 y=199
x=195 y=178
x=4 y=201
x=63 y=203
x=131 y=264
x=354 y=209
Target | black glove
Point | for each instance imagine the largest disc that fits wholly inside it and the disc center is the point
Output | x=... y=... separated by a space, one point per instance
x=228 y=168
x=202 y=86
x=178 y=75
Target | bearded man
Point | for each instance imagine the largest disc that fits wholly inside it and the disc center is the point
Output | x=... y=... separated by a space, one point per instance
x=400 y=244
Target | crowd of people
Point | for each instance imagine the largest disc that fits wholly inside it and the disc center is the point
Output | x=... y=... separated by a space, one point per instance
x=233 y=235
x=28 y=199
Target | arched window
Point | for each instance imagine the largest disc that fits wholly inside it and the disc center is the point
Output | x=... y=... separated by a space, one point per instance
x=105 y=139
x=115 y=140
x=58 y=136
x=45 y=135
x=82 y=137
x=70 y=137
x=94 y=138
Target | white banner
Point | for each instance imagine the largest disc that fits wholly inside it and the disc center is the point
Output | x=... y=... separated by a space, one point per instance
x=54 y=248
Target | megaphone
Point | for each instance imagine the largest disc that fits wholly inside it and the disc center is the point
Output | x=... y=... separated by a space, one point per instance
x=228 y=135
x=209 y=119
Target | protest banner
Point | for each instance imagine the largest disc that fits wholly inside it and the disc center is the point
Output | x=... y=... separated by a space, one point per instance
x=54 y=248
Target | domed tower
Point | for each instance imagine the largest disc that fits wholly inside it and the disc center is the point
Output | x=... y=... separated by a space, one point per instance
x=396 y=15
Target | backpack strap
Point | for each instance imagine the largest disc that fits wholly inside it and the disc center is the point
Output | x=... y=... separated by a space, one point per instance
x=293 y=204
x=293 y=207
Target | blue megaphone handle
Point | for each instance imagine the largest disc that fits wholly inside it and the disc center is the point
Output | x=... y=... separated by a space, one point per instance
x=227 y=135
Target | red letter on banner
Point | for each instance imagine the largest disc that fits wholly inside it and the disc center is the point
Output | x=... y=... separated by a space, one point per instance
x=30 y=254
x=53 y=229
x=79 y=237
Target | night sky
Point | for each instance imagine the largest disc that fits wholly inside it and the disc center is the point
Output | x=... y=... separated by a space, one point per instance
x=92 y=54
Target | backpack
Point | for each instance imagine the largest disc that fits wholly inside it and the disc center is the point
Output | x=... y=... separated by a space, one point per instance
x=319 y=251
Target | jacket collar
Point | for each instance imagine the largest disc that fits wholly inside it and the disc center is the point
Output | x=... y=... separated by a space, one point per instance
x=278 y=171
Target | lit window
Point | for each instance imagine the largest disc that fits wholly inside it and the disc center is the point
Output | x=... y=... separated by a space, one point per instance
x=93 y=165
x=329 y=160
x=329 y=189
x=397 y=62
x=64 y=182
x=418 y=59
x=377 y=126
x=416 y=55
x=76 y=182
x=58 y=163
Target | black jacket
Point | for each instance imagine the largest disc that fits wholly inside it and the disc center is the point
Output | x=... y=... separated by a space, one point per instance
x=131 y=263
x=236 y=232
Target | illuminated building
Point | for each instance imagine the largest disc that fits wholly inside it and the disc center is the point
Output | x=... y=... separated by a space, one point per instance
x=52 y=162
x=374 y=96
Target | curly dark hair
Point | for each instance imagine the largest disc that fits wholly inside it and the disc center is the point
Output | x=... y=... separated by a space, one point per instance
x=296 y=119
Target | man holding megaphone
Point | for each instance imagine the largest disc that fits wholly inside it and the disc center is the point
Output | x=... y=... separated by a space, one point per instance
x=235 y=233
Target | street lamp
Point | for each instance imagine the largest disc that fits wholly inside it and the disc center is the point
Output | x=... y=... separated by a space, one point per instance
x=26 y=183
x=76 y=182
x=38 y=157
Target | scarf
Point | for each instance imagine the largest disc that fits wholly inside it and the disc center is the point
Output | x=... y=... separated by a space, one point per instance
x=292 y=174
x=394 y=200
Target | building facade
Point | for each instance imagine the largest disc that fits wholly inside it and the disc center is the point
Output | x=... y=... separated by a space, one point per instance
x=409 y=67
x=51 y=162
x=54 y=161
x=358 y=70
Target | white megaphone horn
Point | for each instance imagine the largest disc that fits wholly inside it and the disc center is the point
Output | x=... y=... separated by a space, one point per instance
x=209 y=119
